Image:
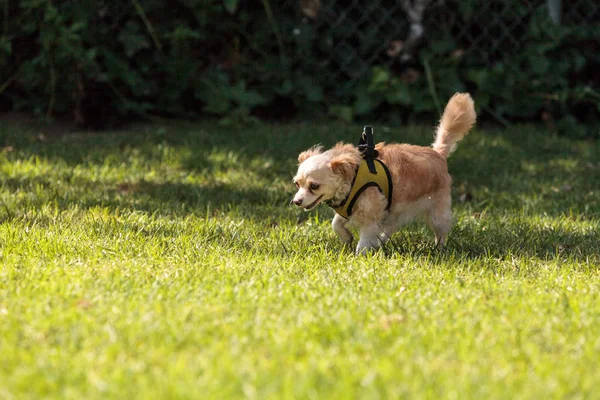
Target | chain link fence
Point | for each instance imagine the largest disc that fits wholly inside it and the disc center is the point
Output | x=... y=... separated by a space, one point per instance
x=364 y=33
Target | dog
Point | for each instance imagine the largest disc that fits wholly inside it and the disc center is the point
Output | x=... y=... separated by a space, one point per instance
x=419 y=182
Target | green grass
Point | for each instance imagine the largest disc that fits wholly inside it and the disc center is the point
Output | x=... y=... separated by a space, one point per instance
x=165 y=262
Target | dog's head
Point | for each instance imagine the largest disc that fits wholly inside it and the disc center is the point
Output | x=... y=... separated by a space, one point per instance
x=325 y=175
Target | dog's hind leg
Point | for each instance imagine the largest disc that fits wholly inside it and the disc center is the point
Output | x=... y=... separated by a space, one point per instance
x=439 y=218
x=339 y=227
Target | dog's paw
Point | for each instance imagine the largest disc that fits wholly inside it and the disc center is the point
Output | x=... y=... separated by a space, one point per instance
x=368 y=244
x=362 y=249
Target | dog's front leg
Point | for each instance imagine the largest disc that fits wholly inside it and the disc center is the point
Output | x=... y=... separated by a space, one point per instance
x=370 y=239
x=340 y=229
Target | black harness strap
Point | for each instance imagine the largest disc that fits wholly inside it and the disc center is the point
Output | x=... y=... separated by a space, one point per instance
x=366 y=146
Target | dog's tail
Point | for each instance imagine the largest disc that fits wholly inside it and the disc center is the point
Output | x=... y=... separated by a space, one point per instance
x=458 y=118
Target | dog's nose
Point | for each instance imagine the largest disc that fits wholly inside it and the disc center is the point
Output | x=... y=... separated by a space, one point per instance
x=296 y=202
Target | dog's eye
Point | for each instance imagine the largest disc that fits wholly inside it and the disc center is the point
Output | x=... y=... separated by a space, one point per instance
x=297 y=184
x=314 y=186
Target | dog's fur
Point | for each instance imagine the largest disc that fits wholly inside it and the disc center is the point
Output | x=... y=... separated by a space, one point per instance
x=421 y=183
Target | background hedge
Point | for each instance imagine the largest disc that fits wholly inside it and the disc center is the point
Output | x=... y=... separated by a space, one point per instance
x=101 y=61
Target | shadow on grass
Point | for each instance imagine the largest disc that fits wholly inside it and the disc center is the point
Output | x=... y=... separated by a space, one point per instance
x=163 y=199
x=519 y=168
x=500 y=242
x=278 y=142
x=496 y=172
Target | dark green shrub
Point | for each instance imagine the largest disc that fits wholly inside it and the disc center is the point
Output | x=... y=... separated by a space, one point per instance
x=103 y=60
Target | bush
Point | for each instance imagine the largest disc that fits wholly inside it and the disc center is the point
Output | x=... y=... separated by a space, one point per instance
x=103 y=60
x=552 y=78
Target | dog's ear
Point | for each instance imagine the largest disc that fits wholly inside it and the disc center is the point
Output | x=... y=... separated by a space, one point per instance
x=313 y=151
x=344 y=165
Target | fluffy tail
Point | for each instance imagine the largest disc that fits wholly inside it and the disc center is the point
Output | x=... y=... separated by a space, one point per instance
x=458 y=118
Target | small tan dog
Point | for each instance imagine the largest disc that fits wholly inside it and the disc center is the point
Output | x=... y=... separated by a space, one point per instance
x=420 y=183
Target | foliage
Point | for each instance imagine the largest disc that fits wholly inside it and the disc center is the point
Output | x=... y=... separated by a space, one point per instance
x=550 y=78
x=102 y=60
x=165 y=261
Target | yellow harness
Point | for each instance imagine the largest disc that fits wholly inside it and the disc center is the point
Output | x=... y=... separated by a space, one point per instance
x=364 y=179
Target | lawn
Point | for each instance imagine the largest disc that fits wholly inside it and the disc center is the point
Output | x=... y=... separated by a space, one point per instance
x=164 y=261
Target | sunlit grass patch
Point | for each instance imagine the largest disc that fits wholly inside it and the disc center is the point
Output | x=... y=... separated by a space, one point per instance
x=166 y=262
